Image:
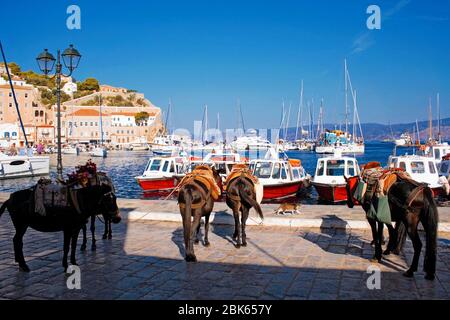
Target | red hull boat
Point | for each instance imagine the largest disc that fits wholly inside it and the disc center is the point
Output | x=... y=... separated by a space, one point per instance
x=152 y=184
x=279 y=191
x=331 y=193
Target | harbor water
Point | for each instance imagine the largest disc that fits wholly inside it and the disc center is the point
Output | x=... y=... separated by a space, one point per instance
x=123 y=166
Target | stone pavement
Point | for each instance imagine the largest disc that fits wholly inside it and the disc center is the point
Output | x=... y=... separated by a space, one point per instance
x=144 y=260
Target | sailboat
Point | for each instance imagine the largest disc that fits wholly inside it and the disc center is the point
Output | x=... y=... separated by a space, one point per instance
x=342 y=141
x=100 y=151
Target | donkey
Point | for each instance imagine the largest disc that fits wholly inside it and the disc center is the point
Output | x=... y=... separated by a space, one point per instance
x=241 y=197
x=196 y=199
x=94 y=199
x=100 y=178
x=409 y=204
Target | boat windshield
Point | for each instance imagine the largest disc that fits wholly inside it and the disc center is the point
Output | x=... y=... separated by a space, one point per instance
x=351 y=168
x=432 y=167
x=263 y=170
x=335 y=168
x=155 y=165
x=417 y=167
x=444 y=167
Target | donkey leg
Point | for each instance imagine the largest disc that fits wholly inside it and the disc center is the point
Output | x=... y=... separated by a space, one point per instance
x=84 y=244
x=237 y=228
x=379 y=242
x=392 y=240
x=373 y=228
x=18 y=248
x=197 y=240
x=106 y=231
x=67 y=236
x=110 y=228
x=417 y=245
x=206 y=243
x=245 y=212
x=73 y=252
x=94 y=245
x=190 y=254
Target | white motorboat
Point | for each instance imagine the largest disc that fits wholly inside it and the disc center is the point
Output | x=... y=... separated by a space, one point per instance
x=100 y=152
x=437 y=152
x=70 y=150
x=252 y=143
x=223 y=162
x=329 y=179
x=23 y=166
x=162 y=173
x=349 y=148
x=280 y=178
x=421 y=169
x=404 y=140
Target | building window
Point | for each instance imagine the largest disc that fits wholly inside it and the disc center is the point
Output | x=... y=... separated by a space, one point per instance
x=10 y=105
x=36 y=113
x=41 y=113
x=14 y=134
x=26 y=95
x=10 y=94
x=85 y=124
x=92 y=123
x=81 y=124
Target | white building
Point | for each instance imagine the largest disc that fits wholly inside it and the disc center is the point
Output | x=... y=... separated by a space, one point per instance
x=123 y=119
x=9 y=133
x=70 y=88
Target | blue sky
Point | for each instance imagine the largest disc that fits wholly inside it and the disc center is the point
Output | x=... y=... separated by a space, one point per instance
x=214 y=52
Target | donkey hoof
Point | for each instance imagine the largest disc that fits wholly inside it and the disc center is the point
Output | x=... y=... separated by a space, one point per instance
x=430 y=277
x=110 y=237
x=387 y=252
x=191 y=258
x=244 y=244
x=196 y=241
x=83 y=247
x=24 y=268
x=238 y=245
x=408 y=274
x=207 y=244
x=105 y=237
x=94 y=248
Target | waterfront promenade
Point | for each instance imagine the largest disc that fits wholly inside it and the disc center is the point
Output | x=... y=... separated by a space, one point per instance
x=144 y=260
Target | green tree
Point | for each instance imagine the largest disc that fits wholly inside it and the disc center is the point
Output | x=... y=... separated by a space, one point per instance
x=140 y=117
x=90 y=84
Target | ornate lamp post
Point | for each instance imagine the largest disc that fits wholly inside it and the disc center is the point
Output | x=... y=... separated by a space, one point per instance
x=71 y=57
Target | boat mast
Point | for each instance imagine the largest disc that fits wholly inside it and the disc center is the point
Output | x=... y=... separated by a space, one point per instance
x=430 y=121
x=418 y=132
x=346 y=96
x=101 y=119
x=300 y=115
x=14 y=95
x=439 y=119
x=287 y=122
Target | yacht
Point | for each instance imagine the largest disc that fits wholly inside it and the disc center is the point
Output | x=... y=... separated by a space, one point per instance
x=23 y=166
x=251 y=142
x=405 y=140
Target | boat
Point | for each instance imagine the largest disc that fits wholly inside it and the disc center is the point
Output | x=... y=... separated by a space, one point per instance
x=343 y=142
x=223 y=162
x=139 y=144
x=437 y=152
x=70 y=149
x=251 y=142
x=329 y=179
x=162 y=173
x=421 y=169
x=405 y=140
x=23 y=166
x=444 y=168
x=100 y=152
x=280 y=178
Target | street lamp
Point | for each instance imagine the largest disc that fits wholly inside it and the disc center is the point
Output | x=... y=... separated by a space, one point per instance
x=71 y=57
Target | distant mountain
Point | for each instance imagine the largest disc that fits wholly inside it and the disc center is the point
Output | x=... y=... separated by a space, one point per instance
x=378 y=132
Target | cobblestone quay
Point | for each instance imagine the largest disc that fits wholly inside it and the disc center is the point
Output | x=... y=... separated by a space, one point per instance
x=144 y=260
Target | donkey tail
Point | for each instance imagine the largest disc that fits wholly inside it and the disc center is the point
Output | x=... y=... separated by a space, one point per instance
x=3 y=207
x=430 y=222
x=244 y=195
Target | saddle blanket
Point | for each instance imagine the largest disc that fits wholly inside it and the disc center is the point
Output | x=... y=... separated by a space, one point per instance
x=48 y=194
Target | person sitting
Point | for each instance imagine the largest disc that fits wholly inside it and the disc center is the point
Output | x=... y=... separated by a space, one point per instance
x=12 y=150
x=22 y=149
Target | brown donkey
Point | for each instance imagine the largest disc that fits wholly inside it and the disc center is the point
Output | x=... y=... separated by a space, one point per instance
x=241 y=197
x=197 y=192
